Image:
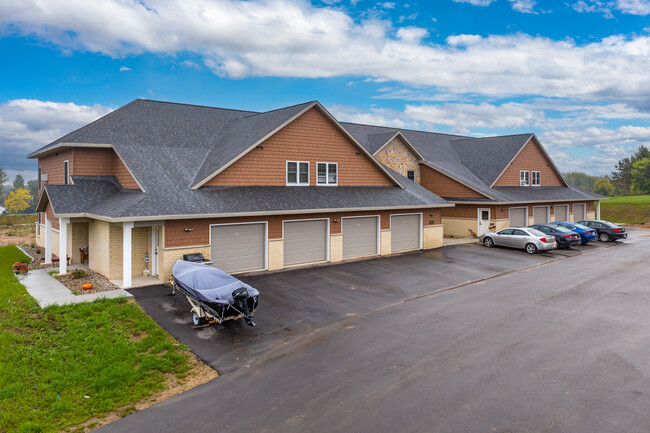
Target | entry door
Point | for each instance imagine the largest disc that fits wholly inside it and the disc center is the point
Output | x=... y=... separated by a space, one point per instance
x=561 y=212
x=483 y=221
x=155 y=243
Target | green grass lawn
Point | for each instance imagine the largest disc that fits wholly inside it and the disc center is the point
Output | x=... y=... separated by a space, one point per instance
x=633 y=209
x=62 y=366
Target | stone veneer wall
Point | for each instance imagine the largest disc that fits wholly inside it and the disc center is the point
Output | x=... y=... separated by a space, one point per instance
x=398 y=157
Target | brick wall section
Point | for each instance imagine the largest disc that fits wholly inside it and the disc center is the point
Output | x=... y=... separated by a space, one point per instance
x=530 y=158
x=444 y=186
x=313 y=138
x=397 y=156
x=176 y=236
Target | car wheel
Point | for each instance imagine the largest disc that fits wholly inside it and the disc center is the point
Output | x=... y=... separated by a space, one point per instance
x=604 y=237
x=531 y=248
x=488 y=242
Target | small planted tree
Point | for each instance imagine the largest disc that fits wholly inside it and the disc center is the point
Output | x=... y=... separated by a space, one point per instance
x=18 y=200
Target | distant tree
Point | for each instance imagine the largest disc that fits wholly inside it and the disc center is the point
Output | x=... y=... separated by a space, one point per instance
x=32 y=187
x=19 y=182
x=604 y=186
x=641 y=176
x=18 y=200
x=580 y=180
x=622 y=174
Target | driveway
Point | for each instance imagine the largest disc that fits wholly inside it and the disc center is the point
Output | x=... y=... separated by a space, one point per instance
x=558 y=345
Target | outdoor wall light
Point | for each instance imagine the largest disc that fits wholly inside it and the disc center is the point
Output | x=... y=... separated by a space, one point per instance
x=335 y=221
x=260 y=147
x=432 y=214
x=189 y=229
x=358 y=153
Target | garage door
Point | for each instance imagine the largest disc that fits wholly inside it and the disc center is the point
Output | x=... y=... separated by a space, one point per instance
x=404 y=232
x=540 y=214
x=518 y=217
x=561 y=212
x=578 y=212
x=359 y=237
x=238 y=247
x=305 y=241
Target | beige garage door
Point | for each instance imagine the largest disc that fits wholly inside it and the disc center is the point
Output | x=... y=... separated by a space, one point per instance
x=305 y=241
x=518 y=217
x=404 y=232
x=359 y=237
x=561 y=213
x=540 y=214
x=238 y=247
x=578 y=212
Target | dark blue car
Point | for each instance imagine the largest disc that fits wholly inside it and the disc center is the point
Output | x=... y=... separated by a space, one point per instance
x=586 y=234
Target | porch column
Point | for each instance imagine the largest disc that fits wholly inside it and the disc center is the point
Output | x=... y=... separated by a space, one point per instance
x=126 y=253
x=48 y=240
x=63 y=245
x=598 y=210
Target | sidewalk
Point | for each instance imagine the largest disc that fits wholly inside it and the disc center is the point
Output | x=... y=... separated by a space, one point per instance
x=457 y=241
x=47 y=290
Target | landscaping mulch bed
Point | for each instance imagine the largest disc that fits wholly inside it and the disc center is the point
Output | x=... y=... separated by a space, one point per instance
x=38 y=253
x=100 y=283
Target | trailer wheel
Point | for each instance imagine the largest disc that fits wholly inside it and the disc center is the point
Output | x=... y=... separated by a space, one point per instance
x=197 y=320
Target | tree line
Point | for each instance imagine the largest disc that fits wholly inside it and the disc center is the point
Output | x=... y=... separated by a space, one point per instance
x=20 y=197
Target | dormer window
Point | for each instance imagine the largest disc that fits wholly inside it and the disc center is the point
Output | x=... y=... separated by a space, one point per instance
x=524 y=178
x=297 y=173
x=536 y=178
x=327 y=173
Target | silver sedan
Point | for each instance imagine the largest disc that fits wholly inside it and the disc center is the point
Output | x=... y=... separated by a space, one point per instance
x=524 y=238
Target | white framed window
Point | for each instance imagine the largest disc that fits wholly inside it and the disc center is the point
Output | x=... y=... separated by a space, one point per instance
x=524 y=178
x=66 y=172
x=411 y=175
x=536 y=178
x=297 y=173
x=327 y=173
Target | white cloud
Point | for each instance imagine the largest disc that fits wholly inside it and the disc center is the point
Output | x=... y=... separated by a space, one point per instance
x=124 y=68
x=476 y=2
x=634 y=7
x=387 y=5
x=28 y=124
x=524 y=6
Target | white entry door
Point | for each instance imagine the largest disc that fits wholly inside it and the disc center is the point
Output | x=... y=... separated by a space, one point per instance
x=155 y=244
x=483 y=221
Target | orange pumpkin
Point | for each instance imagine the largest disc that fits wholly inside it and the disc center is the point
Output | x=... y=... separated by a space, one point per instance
x=87 y=286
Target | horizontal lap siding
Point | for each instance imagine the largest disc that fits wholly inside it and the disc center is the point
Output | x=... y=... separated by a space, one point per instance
x=123 y=176
x=530 y=158
x=444 y=186
x=53 y=166
x=176 y=236
x=501 y=211
x=93 y=162
x=311 y=137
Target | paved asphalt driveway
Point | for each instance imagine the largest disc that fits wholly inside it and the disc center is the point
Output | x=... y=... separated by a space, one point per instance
x=559 y=345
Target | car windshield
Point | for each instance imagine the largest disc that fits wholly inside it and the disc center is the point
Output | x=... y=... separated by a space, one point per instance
x=535 y=232
x=563 y=229
x=580 y=226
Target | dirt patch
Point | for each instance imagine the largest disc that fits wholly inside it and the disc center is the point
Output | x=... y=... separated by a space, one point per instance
x=199 y=374
x=17 y=234
x=100 y=283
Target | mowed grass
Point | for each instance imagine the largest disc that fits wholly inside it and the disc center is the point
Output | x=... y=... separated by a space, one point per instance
x=62 y=366
x=633 y=209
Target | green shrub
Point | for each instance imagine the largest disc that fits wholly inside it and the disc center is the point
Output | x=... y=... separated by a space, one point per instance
x=78 y=274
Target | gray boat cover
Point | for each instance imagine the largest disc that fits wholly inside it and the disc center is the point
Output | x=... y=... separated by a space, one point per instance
x=208 y=284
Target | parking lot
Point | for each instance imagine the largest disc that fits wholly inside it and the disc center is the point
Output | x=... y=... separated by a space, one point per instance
x=463 y=338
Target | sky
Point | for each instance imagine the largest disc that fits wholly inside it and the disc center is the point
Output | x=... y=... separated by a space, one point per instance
x=574 y=72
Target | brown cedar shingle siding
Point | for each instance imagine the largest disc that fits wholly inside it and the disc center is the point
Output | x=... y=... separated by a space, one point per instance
x=176 y=236
x=93 y=162
x=53 y=166
x=50 y=215
x=123 y=176
x=444 y=186
x=530 y=158
x=311 y=137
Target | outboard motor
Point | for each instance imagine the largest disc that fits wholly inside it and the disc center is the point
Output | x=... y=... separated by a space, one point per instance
x=240 y=296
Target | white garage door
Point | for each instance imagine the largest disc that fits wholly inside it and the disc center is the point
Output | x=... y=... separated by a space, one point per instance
x=540 y=214
x=359 y=237
x=578 y=212
x=404 y=232
x=562 y=212
x=238 y=247
x=518 y=217
x=305 y=241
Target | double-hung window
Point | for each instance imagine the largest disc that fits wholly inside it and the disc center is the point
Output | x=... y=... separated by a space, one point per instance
x=524 y=178
x=327 y=173
x=66 y=173
x=411 y=175
x=297 y=173
x=536 y=178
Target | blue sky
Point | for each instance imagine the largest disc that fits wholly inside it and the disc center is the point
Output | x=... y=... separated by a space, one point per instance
x=574 y=72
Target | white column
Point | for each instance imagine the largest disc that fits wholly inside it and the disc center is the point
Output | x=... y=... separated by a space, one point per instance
x=598 y=210
x=63 y=245
x=48 y=240
x=126 y=253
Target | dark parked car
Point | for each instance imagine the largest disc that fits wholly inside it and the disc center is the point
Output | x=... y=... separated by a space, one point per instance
x=586 y=234
x=565 y=238
x=606 y=231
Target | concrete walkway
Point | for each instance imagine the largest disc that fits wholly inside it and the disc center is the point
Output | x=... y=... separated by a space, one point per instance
x=47 y=290
x=457 y=241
